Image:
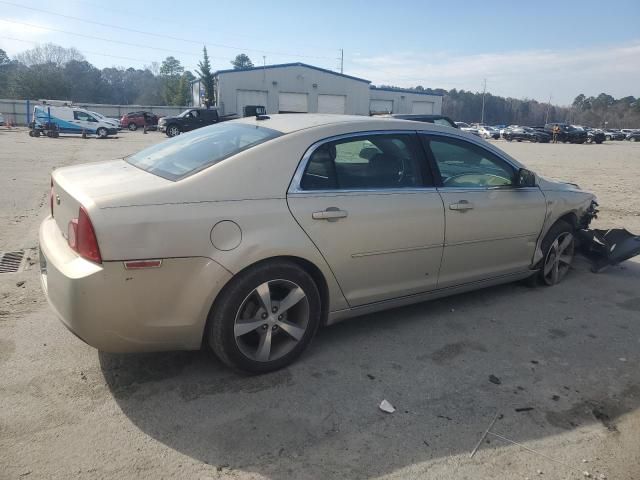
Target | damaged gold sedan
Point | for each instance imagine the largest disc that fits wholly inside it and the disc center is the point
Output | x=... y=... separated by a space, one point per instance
x=247 y=236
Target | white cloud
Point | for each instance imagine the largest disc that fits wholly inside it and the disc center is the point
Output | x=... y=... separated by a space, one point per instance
x=532 y=74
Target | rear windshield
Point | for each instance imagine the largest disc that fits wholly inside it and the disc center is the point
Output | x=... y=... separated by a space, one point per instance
x=189 y=153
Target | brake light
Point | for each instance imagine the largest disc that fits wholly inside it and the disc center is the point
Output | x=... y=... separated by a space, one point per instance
x=82 y=237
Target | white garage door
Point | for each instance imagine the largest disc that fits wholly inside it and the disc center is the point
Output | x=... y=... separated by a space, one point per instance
x=424 y=108
x=293 y=102
x=250 y=97
x=332 y=104
x=381 y=106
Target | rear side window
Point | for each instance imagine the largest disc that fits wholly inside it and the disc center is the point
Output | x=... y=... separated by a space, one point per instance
x=191 y=152
x=365 y=162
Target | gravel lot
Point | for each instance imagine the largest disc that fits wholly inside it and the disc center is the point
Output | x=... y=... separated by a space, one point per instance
x=567 y=355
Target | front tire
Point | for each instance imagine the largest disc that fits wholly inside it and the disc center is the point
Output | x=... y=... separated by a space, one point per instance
x=133 y=127
x=102 y=132
x=265 y=317
x=558 y=247
x=173 y=130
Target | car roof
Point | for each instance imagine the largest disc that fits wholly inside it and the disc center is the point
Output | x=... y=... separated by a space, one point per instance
x=293 y=122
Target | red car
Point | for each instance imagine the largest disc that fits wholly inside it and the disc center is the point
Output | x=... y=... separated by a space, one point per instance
x=135 y=120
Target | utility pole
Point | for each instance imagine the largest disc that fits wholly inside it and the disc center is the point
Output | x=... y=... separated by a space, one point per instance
x=264 y=68
x=484 y=91
x=341 y=60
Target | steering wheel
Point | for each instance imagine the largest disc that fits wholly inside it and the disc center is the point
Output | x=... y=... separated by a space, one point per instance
x=477 y=179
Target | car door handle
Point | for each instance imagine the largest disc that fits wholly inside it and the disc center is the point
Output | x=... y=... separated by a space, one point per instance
x=462 y=206
x=331 y=214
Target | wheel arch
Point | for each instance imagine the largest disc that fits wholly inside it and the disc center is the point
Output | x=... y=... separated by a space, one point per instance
x=306 y=265
x=571 y=218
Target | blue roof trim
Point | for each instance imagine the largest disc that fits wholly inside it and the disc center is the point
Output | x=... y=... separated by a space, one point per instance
x=403 y=90
x=296 y=64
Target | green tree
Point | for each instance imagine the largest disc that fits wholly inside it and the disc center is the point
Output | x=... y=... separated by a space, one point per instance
x=206 y=77
x=86 y=81
x=241 y=62
x=171 y=71
x=184 y=89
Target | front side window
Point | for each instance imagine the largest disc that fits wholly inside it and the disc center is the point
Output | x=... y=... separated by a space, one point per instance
x=189 y=153
x=365 y=162
x=83 y=116
x=462 y=164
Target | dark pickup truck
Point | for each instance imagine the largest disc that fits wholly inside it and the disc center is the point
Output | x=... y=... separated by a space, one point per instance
x=567 y=133
x=188 y=120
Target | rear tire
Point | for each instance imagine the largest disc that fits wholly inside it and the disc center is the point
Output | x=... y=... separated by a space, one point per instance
x=246 y=336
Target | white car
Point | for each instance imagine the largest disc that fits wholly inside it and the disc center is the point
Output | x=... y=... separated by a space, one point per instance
x=110 y=121
x=1 y=119
x=488 y=132
x=248 y=235
x=465 y=127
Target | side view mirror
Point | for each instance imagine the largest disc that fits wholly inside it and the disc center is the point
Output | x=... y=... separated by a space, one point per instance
x=525 y=178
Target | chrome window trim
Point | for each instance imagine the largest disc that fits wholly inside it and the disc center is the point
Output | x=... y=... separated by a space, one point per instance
x=494 y=151
x=294 y=186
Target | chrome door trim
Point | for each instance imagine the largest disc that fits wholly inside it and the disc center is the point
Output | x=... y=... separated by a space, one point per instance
x=294 y=186
x=395 y=250
x=508 y=188
x=493 y=239
x=362 y=191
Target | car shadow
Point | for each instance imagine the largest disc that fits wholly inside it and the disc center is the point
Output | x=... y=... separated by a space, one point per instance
x=565 y=354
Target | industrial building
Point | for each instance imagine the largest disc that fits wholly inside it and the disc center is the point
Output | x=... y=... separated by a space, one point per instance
x=302 y=88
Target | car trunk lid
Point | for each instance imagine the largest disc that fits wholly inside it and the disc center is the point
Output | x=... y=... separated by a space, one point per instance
x=96 y=185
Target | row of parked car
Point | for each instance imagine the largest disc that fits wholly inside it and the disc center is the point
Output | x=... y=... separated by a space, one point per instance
x=565 y=133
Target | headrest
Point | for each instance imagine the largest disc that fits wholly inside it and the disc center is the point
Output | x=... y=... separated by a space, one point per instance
x=324 y=154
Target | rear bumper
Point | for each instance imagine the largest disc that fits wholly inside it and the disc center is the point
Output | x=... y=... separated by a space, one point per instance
x=119 y=310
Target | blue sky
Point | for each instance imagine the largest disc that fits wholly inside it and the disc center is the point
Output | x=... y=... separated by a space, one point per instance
x=523 y=49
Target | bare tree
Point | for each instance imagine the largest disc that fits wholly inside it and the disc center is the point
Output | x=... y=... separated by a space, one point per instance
x=49 y=53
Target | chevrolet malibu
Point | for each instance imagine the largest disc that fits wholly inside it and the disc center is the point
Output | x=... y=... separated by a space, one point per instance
x=247 y=236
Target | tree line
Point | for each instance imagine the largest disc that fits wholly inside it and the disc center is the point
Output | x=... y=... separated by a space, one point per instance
x=54 y=72
x=598 y=112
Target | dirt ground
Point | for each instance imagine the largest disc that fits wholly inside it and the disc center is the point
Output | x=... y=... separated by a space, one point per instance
x=566 y=361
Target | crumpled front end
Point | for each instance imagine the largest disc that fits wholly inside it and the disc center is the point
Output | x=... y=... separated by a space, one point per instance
x=605 y=247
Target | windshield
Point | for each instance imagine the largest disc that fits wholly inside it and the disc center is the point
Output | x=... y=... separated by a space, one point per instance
x=189 y=153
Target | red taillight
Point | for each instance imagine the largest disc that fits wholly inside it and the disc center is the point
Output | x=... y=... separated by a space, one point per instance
x=82 y=237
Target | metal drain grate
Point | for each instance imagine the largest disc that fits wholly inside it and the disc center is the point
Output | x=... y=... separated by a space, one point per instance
x=11 y=262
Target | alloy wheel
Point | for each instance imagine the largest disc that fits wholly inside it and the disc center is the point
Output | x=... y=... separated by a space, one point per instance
x=271 y=320
x=173 y=131
x=559 y=257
